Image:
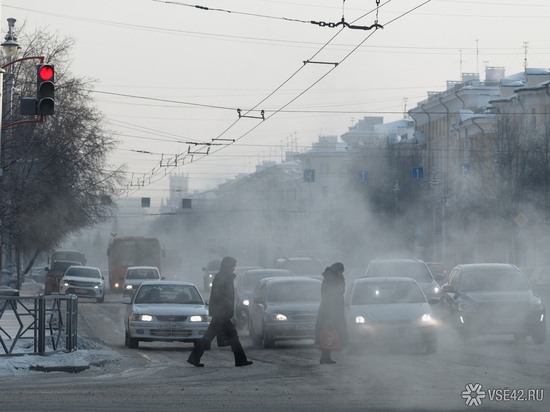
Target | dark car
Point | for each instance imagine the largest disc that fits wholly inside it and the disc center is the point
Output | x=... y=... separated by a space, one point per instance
x=244 y=290
x=55 y=273
x=407 y=268
x=209 y=271
x=493 y=299
x=390 y=311
x=438 y=268
x=284 y=309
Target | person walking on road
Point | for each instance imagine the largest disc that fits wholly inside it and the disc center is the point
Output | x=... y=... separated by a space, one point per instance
x=331 y=310
x=222 y=297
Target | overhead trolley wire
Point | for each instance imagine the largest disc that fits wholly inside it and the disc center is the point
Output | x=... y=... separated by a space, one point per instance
x=155 y=172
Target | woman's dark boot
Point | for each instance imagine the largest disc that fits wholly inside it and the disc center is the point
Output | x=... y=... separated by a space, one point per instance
x=325 y=358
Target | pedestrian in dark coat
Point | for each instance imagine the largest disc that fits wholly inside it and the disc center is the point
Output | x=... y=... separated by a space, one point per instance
x=222 y=298
x=331 y=310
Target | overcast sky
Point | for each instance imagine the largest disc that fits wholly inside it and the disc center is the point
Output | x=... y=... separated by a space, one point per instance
x=202 y=65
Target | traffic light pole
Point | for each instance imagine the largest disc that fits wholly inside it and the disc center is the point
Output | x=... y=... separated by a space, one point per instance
x=7 y=268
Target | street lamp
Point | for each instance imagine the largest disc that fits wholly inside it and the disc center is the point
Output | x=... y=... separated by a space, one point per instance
x=10 y=46
x=11 y=49
x=396 y=190
x=433 y=184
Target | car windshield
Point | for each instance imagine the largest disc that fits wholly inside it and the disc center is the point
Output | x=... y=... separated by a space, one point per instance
x=494 y=279
x=184 y=294
x=386 y=293
x=295 y=292
x=142 y=274
x=251 y=279
x=304 y=267
x=80 y=272
x=62 y=266
x=416 y=270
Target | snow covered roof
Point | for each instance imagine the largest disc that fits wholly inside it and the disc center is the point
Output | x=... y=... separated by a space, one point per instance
x=512 y=83
x=537 y=72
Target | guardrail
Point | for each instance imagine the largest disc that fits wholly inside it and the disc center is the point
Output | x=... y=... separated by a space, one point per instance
x=38 y=325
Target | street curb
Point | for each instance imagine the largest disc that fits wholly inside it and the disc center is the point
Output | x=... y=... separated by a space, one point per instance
x=67 y=368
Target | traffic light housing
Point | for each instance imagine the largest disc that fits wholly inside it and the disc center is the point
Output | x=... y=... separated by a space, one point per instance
x=45 y=88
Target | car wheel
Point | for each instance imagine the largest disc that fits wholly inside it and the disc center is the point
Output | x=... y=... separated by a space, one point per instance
x=539 y=333
x=431 y=346
x=268 y=342
x=256 y=339
x=131 y=342
x=100 y=300
x=520 y=336
x=250 y=330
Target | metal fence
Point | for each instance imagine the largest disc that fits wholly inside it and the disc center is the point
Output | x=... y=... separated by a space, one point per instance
x=38 y=325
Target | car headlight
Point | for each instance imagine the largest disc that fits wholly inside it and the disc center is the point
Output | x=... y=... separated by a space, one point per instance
x=424 y=319
x=198 y=318
x=210 y=275
x=96 y=286
x=65 y=284
x=433 y=289
x=143 y=318
x=465 y=307
x=116 y=285
x=278 y=316
x=246 y=302
x=129 y=287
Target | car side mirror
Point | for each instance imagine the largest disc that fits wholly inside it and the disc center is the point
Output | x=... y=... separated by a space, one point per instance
x=47 y=268
x=439 y=276
x=433 y=301
x=448 y=289
x=258 y=299
x=204 y=269
x=207 y=303
x=127 y=300
x=162 y=278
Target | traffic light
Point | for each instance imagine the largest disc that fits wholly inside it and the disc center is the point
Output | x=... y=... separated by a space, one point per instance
x=45 y=103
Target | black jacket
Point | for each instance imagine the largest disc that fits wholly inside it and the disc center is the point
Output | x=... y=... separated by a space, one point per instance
x=222 y=296
x=332 y=305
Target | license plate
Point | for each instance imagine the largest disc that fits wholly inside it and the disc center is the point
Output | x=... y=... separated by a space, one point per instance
x=305 y=327
x=80 y=291
x=171 y=326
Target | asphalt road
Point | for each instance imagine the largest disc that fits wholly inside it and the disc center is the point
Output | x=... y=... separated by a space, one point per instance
x=156 y=377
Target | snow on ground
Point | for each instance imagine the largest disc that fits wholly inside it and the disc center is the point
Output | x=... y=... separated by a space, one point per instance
x=88 y=354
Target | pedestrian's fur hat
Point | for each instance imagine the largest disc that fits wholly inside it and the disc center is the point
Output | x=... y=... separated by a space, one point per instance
x=337 y=267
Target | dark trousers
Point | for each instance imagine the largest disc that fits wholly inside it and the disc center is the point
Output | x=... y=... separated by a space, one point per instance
x=226 y=327
x=325 y=354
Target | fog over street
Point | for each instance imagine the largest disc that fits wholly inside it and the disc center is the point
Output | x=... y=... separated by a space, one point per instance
x=289 y=377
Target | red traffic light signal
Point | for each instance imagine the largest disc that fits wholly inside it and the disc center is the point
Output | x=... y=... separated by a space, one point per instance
x=45 y=89
x=46 y=72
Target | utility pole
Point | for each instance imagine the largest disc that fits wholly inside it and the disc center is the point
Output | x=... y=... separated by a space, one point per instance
x=11 y=49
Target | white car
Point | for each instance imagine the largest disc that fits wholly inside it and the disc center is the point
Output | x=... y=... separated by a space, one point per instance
x=83 y=281
x=135 y=275
x=165 y=311
x=390 y=311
